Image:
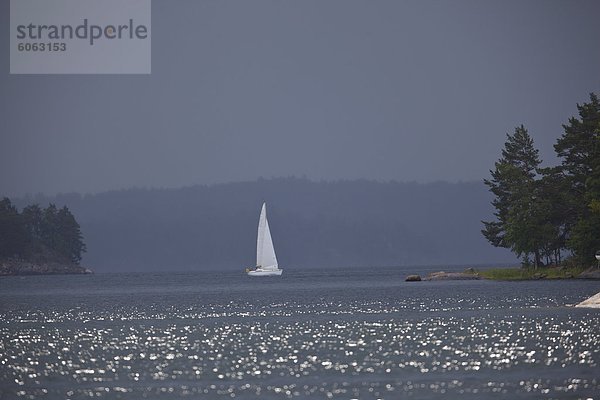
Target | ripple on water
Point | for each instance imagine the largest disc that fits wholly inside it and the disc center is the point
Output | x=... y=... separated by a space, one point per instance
x=300 y=358
x=473 y=339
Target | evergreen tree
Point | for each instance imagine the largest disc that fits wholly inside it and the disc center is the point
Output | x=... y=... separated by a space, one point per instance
x=579 y=148
x=514 y=185
x=13 y=237
x=70 y=241
x=49 y=227
x=555 y=207
x=40 y=235
x=33 y=220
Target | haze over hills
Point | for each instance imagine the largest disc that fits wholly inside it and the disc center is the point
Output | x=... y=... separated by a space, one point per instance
x=314 y=224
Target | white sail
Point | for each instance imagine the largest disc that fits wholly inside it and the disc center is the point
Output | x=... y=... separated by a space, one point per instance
x=265 y=252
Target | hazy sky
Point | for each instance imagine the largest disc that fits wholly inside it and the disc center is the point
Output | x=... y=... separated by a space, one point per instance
x=403 y=90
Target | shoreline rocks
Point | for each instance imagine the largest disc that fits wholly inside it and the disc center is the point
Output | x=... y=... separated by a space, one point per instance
x=592 y=302
x=468 y=274
x=452 y=276
x=549 y=273
x=20 y=267
x=590 y=273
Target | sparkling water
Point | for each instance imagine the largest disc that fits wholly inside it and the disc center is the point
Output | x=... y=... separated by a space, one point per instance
x=307 y=334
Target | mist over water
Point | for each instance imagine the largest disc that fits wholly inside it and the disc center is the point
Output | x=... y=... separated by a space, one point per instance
x=314 y=224
x=308 y=334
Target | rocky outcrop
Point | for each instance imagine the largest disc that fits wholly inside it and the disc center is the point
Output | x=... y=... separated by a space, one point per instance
x=468 y=274
x=413 y=278
x=592 y=302
x=20 y=267
x=591 y=273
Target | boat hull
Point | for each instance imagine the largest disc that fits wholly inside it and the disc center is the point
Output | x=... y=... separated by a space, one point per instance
x=276 y=272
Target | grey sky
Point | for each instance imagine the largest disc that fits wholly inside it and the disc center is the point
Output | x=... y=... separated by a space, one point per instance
x=334 y=89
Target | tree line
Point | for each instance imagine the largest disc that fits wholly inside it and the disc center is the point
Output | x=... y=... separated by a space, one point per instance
x=543 y=213
x=39 y=234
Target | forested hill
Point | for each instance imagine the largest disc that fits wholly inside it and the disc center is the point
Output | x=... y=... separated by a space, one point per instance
x=314 y=224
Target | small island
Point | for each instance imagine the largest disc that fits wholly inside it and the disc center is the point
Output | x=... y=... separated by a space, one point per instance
x=39 y=241
x=547 y=216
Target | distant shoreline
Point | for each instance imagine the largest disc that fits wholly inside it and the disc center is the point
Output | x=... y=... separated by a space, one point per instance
x=14 y=267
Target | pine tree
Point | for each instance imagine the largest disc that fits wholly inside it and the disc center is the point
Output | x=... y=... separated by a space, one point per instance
x=555 y=208
x=33 y=219
x=70 y=242
x=579 y=148
x=13 y=237
x=49 y=230
x=514 y=186
x=40 y=235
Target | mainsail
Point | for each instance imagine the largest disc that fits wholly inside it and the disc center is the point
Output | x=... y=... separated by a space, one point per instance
x=265 y=252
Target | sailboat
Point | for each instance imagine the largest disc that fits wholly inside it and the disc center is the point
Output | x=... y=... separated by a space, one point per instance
x=266 y=260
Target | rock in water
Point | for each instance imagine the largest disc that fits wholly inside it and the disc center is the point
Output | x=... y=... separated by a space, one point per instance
x=591 y=273
x=592 y=302
x=451 y=276
x=413 y=278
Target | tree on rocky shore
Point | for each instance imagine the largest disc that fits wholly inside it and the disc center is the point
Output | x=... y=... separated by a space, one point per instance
x=517 y=203
x=579 y=149
x=40 y=234
x=543 y=211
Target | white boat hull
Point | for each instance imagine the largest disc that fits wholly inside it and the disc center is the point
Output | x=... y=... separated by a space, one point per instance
x=262 y=272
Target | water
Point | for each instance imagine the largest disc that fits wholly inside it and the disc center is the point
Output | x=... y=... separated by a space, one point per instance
x=308 y=334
